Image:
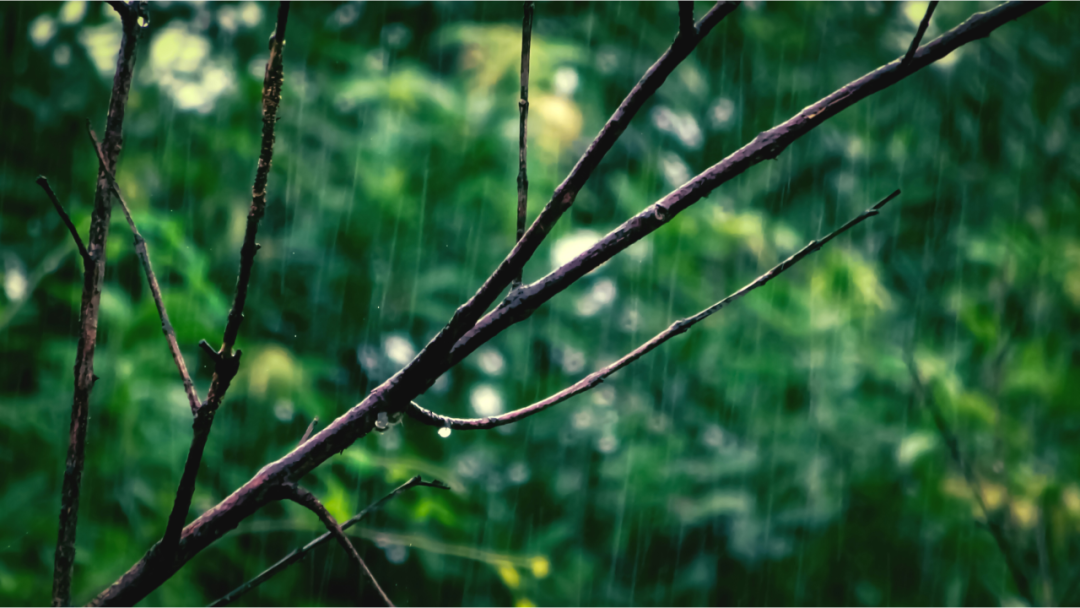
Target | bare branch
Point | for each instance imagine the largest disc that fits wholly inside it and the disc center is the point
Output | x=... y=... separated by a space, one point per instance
x=64 y=217
x=919 y=34
x=93 y=277
x=147 y=574
x=523 y=112
x=228 y=362
x=422 y=371
x=686 y=18
x=306 y=499
x=520 y=304
x=993 y=519
x=155 y=289
x=299 y=554
x=682 y=325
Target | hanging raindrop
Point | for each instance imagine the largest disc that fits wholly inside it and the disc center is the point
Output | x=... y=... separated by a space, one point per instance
x=444 y=431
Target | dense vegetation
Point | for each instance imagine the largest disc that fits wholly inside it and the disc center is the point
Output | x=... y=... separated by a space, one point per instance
x=778 y=453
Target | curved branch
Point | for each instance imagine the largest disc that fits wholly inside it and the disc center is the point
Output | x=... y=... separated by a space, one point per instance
x=66 y=219
x=768 y=145
x=594 y=379
x=308 y=500
x=298 y=554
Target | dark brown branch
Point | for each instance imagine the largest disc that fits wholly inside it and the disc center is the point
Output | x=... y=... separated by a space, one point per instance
x=310 y=430
x=422 y=371
x=678 y=327
x=64 y=217
x=919 y=34
x=686 y=17
x=144 y=576
x=228 y=362
x=93 y=276
x=520 y=304
x=151 y=278
x=523 y=115
x=297 y=554
x=308 y=500
x=994 y=520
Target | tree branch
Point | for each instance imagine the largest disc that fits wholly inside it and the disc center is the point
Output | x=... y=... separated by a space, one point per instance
x=64 y=217
x=306 y=499
x=227 y=362
x=919 y=34
x=155 y=289
x=523 y=114
x=395 y=394
x=993 y=519
x=678 y=327
x=93 y=277
x=422 y=371
x=299 y=554
x=686 y=18
x=520 y=304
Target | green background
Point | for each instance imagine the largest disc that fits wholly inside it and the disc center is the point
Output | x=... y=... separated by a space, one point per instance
x=775 y=454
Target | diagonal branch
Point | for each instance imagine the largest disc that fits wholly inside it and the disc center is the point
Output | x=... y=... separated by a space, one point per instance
x=299 y=554
x=147 y=574
x=523 y=112
x=686 y=17
x=421 y=371
x=227 y=362
x=93 y=277
x=993 y=520
x=64 y=217
x=520 y=304
x=919 y=34
x=155 y=289
x=678 y=327
x=306 y=499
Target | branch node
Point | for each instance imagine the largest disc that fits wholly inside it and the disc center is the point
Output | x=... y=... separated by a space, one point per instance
x=64 y=217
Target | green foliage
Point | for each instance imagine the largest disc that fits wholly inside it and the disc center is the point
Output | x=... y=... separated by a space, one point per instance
x=775 y=454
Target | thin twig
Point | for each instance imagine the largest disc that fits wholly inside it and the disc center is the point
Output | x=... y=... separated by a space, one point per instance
x=919 y=34
x=310 y=430
x=64 y=217
x=678 y=327
x=147 y=574
x=523 y=115
x=686 y=17
x=298 y=554
x=93 y=277
x=306 y=499
x=151 y=278
x=228 y=362
x=993 y=519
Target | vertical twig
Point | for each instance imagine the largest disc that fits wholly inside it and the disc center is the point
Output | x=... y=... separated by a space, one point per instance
x=228 y=362
x=151 y=278
x=993 y=520
x=306 y=499
x=93 y=277
x=523 y=113
x=919 y=34
x=310 y=430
